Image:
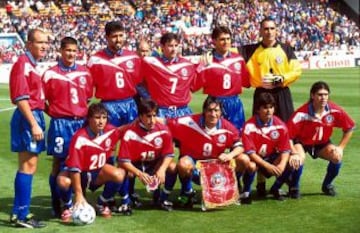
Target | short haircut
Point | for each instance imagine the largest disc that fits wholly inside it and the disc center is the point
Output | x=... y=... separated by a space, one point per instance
x=113 y=26
x=267 y=19
x=318 y=86
x=265 y=98
x=210 y=100
x=68 y=40
x=31 y=34
x=220 y=30
x=96 y=108
x=168 y=37
x=146 y=106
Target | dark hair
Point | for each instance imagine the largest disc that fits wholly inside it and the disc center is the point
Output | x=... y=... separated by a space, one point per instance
x=264 y=99
x=113 y=26
x=266 y=19
x=96 y=108
x=168 y=37
x=219 y=30
x=318 y=86
x=68 y=40
x=210 y=100
x=147 y=105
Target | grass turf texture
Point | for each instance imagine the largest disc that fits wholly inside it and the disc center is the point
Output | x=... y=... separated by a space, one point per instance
x=314 y=212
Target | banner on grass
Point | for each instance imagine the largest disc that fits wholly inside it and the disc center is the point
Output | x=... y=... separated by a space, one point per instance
x=218 y=183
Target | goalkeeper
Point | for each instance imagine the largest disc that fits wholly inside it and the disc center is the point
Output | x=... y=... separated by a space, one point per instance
x=273 y=66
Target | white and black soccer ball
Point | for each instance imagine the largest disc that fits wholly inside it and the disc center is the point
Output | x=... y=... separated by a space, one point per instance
x=83 y=215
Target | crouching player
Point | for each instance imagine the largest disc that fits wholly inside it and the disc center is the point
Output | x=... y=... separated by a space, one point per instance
x=266 y=141
x=146 y=150
x=85 y=166
x=311 y=127
x=205 y=136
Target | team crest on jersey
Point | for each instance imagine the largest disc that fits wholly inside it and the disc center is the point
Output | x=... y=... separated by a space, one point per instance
x=82 y=80
x=279 y=60
x=130 y=64
x=274 y=135
x=184 y=72
x=237 y=66
x=329 y=119
x=222 y=138
x=218 y=181
x=158 y=142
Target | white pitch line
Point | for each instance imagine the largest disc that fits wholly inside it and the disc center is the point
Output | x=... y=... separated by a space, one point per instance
x=7 y=109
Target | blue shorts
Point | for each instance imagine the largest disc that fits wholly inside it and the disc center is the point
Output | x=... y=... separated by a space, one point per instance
x=233 y=111
x=121 y=112
x=60 y=133
x=148 y=166
x=88 y=180
x=174 y=112
x=21 y=137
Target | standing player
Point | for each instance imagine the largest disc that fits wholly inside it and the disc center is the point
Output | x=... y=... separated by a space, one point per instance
x=27 y=124
x=205 y=136
x=86 y=165
x=273 y=66
x=169 y=78
x=311 y=127
x=223 y=75
x=266 y=141
x=116 y=72
x=67 y=88
x=146 y=150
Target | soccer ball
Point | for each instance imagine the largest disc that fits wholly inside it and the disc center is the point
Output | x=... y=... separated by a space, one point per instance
x=83 y=215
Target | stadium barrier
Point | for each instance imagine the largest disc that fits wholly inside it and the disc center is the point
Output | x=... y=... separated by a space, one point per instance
x=314 y=62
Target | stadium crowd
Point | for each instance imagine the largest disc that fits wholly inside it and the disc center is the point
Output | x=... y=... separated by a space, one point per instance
x=306 y=25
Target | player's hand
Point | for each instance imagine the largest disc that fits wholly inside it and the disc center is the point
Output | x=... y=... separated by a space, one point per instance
x=160 y=175
x=79 y=201
x=338 y=153
x=37 y=132
x=295 y=161
x=274 y=170
x=278 y=80
x=145 y=178
x=268 y=81
x=207 y=58
x=224 y=157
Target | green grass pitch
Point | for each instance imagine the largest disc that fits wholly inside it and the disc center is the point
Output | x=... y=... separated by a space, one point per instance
x=314 y=212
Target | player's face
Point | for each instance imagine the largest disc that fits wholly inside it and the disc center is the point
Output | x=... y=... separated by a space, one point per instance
x=148 y=120
x=266 y=113
x=320 y=98
x=68 y=54
x=116 y=40
x=144 y=50
x=97 y=122
x=39 y=46
x=170 y=49
x=222 y=43
x=212 y=115
x=268 y=32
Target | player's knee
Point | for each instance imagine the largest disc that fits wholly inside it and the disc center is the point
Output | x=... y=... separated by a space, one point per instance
x=64 y=182
x=172 y=168
x=119 y=175
x=185 y=167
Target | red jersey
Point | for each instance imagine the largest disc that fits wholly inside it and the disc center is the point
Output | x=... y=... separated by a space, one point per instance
x=198 y=143
x=224 y=77
x=25 y=82
x=310 y=130
x=169 y=83
x=139 y=144
x=115 y=76
x=67 y=92
x=265 y=140
x=88 y=153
